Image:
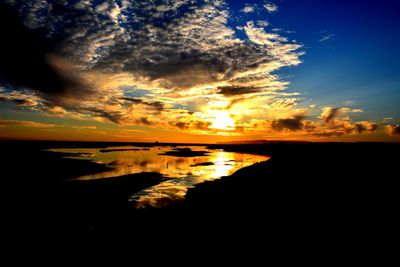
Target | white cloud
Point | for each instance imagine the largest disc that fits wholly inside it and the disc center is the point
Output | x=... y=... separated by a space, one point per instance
x=102 y=7
x=262 y=23
x=271 y=7
x=248 y=9
x=326 y=37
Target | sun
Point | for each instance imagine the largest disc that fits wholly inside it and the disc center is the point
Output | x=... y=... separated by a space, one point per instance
x=222 y=121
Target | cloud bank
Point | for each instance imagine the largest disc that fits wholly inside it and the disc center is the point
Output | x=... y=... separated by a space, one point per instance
x=177 y=65
x=393 y=129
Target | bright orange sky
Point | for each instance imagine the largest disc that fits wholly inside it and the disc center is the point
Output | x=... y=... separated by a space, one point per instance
x=110 y=132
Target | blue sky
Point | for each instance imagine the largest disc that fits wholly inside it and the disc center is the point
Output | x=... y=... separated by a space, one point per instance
x=359 y=63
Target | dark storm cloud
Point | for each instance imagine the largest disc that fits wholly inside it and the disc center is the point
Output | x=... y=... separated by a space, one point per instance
x=145 y=121
x=182 y=125
x=156 y=105
x=237 y=90
x=365 y=127
x=115 y=117
x=132 y=100
x=120 y=116
x=202 y=125
x=18 y=102
x=196 y=125
x=23 y=102
x=20 y=99
x=25 y=53
x=292 y=124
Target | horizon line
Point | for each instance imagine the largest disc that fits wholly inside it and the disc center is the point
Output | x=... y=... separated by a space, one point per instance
x=242 y=142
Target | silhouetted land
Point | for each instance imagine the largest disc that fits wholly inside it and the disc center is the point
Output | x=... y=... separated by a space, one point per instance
x=119 y=149
x=323 y=190
x=184 y=152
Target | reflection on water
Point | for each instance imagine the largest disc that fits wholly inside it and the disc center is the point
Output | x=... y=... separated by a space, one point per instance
x=184 y=172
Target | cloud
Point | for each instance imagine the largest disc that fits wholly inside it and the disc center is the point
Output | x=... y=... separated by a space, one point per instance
x=248 y=8
x=261 y=37
x=335 y=125
x=135 y=62
x=84 y=127
x=157 y=106
x=175 y=65
x=365 y=126
x=393 y=129
x=329 y=114
x=20 y=99
x=197 y=125
x=298 y=126
x=262 y=23
x=113 y=116
x=56 y=110
x=346 y=127
x=183 y=60
x=292 y=124
x=237 y=90
x=34 y=124
x=271 y=7
x=326 y=37
x=284 y=103
x=331 y=125
x=144 y=120
x=387 y=119
x=102 y=7
x=133 y=131
x=26 y=57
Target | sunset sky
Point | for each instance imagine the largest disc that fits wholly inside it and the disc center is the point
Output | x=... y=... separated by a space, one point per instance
x=200 y=71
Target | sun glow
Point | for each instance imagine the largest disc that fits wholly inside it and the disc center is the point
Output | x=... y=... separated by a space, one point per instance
x=222 y=121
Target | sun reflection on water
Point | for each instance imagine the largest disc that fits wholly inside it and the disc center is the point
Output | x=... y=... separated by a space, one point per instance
x=182 y=172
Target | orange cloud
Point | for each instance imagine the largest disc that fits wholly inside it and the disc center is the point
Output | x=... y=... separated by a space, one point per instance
x=393 y=129
x=6 y=123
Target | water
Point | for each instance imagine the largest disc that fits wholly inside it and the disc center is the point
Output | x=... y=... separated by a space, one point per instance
x=182 y=169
